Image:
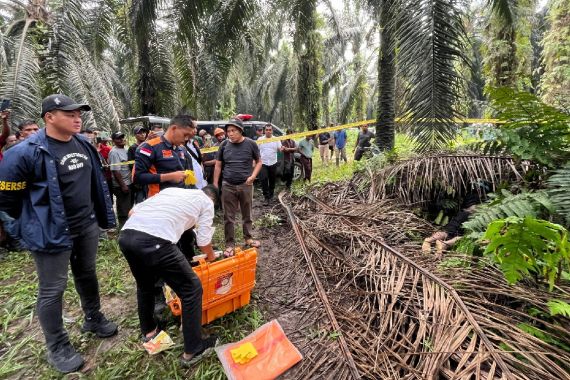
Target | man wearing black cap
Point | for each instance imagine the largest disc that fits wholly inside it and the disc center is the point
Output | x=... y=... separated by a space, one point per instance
x=138 y=192
x=235 y=163
x=121 y=177
x=53 y=197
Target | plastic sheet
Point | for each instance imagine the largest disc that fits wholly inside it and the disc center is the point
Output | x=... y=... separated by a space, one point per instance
x=275 y=354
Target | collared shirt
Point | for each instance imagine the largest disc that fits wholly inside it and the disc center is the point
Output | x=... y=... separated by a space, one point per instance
x=156 y=157
x=268 y=151
x=171 y=212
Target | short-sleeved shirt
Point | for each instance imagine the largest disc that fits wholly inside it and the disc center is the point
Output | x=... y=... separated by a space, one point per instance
x=340 y=138
x=323 y=138
x=156 y=157
x=237 y=160
x=171 y=212
x=288 y=156
x=116 y=156
x=364 y=139
x=74 y=171
x=306 y=147
x=268 y=151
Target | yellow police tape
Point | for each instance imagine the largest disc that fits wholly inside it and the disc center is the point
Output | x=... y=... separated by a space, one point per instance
x=295 y=136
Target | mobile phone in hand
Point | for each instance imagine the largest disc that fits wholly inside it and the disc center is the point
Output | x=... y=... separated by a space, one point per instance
x=6 y=103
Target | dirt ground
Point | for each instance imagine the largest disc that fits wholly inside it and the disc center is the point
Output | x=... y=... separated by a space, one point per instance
x=285 y=292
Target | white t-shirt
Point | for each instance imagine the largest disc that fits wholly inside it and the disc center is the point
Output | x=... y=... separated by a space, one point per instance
x=268 y=151
x=172 y=211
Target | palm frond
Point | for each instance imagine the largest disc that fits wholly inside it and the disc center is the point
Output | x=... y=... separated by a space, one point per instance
x=100 y=25
x=505 y=9
x=20 y=83
x=419 y=180
x=430 y=39
x=559 y=190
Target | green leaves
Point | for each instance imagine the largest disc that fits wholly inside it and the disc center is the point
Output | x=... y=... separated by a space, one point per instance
x=506 y=204
x=559 y=307
x=532 y=131
x=525 y=246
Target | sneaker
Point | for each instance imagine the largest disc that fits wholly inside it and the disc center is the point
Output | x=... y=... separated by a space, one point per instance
x=100 y=326
x=208 y=346
x=65 y=359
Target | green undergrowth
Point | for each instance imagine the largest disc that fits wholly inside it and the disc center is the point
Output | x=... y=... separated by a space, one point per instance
x=22 y=351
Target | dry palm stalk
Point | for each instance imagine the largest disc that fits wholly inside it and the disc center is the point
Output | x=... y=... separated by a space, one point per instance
x=418 y=180
x=398 y=322
x=322 y=295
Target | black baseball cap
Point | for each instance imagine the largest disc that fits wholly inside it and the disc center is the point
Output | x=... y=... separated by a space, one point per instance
x=140 y=128
x=62 y=102
x=236 y=123
x=117 y=135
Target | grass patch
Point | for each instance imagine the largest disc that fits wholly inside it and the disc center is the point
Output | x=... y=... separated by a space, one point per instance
x=22 y=349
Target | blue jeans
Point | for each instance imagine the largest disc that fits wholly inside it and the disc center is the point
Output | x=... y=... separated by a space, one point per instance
x=52 y=275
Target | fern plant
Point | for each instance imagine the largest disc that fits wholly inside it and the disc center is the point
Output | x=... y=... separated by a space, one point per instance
x=506 y=204
x=559 y=307
x=559 y=191
x=527 y=246
x=532 y=130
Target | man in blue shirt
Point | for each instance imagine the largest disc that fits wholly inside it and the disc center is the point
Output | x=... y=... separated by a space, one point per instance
x=54 y=198
x=340 y=139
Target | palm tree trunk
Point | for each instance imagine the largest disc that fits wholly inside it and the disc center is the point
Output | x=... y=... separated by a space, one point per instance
x=385 y=131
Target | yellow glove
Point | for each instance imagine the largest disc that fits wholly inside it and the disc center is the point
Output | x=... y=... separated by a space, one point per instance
x=243 y=353
x=190 y=178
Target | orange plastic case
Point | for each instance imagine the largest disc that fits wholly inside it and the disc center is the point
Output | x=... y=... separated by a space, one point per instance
x=227 y=283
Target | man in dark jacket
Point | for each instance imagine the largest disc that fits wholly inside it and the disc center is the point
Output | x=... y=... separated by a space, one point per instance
x=54 y=198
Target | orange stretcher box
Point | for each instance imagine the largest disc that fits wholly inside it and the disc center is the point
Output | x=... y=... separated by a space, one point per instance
x=226 y=283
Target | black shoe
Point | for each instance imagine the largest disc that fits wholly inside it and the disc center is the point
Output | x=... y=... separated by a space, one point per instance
x=208 y=346
x=100 y=326
x=65 y=359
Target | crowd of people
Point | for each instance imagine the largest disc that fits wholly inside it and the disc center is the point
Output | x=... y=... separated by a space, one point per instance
x=60 y=186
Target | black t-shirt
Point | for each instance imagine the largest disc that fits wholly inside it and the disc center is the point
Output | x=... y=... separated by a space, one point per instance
x=364 y=139
x=237 y=160
x=74 y=171
x=324 y=137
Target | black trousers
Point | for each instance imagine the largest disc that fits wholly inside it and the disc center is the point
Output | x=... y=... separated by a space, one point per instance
x=268 y=174
x=150 y=257
x=288 y=171
x=52 y=275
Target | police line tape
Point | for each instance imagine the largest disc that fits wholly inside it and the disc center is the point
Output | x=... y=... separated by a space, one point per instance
x=356 y=124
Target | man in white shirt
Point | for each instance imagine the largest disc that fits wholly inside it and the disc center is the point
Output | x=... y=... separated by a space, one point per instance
x=268 y=152
x=148 y=242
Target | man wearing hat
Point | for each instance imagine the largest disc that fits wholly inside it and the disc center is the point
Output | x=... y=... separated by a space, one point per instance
x=121 y=177
x=53 y=197
x=138 y=192
x=236 y=156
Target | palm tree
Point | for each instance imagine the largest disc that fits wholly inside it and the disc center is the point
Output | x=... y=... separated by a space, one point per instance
x=47 y=50
x=428 y=38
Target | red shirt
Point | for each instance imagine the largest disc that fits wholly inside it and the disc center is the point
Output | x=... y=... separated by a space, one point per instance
x=104 y=149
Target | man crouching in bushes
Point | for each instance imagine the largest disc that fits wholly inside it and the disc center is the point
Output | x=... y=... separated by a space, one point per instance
x=148 y=242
